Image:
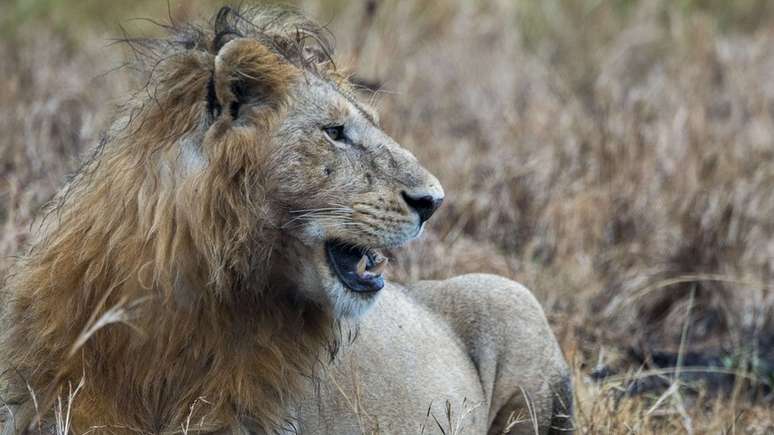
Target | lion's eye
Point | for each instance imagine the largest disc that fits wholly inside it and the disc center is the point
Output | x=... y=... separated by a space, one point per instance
x=335 y=133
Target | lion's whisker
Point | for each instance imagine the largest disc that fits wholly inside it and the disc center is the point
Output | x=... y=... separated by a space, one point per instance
x=320 y=213
x=313 y=210
x=309 y=218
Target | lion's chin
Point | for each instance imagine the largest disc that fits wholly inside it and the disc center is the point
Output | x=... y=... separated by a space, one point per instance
x=317 y=284
x=343 y=277
x=347 y=304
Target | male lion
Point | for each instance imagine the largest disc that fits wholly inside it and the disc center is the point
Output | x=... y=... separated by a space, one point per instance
x=215 y=267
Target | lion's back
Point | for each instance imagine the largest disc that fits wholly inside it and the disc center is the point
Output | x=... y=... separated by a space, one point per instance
x=479 y=342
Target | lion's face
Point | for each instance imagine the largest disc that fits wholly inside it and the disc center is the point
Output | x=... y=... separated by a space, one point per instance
x=348 y=190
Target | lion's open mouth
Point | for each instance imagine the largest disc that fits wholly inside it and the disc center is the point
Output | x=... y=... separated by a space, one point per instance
x=359 y=269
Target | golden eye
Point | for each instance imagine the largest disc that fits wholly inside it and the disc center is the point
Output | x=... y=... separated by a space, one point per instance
x=335 y=133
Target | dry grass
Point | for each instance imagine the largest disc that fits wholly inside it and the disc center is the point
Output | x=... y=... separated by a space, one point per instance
x=616 y=157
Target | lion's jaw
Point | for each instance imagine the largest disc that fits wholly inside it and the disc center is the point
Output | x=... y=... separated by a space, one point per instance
x=316 y=282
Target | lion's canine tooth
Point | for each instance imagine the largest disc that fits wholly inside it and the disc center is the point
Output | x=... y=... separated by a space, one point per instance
x=379 y=266
x=361 y=266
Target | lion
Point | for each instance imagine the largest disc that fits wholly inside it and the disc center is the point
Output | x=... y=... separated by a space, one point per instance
x=217 y=266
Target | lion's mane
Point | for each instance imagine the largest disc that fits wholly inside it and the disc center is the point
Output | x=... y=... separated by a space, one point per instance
x=165 y=305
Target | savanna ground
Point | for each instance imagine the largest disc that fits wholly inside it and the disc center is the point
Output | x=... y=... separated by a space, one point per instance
x=615 y=156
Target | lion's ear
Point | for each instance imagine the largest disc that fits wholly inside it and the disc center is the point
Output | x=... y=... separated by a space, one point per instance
x=248 y=73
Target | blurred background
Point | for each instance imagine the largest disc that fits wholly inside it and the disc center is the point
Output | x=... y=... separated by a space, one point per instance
x=615 y=156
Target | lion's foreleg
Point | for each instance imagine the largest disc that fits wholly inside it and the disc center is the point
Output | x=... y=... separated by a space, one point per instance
x=520 y=366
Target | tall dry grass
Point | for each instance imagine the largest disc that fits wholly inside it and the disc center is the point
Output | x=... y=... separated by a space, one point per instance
x=617 y=157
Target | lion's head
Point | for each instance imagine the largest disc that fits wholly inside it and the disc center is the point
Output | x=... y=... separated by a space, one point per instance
x=308 y=168
x=230 y=218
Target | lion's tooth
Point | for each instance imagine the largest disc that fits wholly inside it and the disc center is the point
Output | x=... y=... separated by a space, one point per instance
x=369 y=275
x=379 y=266
x=361 y=266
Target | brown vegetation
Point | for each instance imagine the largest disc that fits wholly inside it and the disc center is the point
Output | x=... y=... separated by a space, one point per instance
x=616 y=157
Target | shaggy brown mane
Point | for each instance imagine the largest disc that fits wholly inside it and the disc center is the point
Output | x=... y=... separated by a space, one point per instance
x=163 y=302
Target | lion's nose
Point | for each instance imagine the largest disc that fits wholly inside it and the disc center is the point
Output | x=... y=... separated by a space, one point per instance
x=423 y=203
